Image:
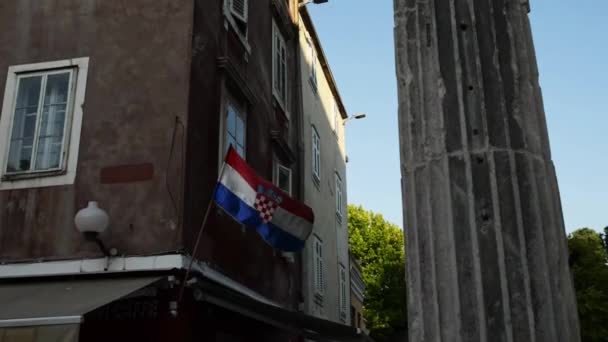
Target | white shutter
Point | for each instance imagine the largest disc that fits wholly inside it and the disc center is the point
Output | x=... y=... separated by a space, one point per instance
x=238 y=8
x=316 y=154
x=342 y=292
x=319 y=279
x=321 y=270
x=279 y=67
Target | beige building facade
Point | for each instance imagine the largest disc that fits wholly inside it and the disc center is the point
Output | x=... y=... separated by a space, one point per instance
x=326 y=278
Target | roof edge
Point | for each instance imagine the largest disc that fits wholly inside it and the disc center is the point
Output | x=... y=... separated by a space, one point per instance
x=307 y=20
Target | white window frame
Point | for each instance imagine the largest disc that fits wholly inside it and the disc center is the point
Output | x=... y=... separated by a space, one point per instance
x=66 y=174
x=280 y=46
x=339 y=198
x=44 y=75
x=313 y=66
x=316 y=154
x=318 y=267
x=277 y=172
x=343 y=298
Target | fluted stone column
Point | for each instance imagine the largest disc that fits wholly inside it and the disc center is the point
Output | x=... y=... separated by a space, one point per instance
x=486 y=245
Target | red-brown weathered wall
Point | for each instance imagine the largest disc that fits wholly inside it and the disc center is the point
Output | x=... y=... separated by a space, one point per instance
x=151 y=61
x=237 y=252
x=137 y=85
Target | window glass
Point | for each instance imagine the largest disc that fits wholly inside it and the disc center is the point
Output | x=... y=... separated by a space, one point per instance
x=38 y=132
x=283 y=178
x=235 y=131
x=24 y=124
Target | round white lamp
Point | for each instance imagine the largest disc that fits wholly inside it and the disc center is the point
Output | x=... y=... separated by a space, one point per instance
x=92 y=221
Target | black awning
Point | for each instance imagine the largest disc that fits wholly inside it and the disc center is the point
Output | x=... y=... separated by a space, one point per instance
x=310 y=327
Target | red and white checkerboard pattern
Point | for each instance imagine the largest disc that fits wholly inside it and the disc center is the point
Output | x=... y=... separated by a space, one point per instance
x=265 y=206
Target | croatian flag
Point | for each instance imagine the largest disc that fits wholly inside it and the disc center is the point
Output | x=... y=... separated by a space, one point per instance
x=283 y=222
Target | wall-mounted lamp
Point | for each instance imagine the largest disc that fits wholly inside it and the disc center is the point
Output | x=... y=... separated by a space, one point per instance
x=302 y=4
x=354 y=117
x=92 y=221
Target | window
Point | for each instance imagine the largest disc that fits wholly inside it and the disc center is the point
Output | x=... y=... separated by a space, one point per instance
x=40 y=123
x=39 y=119
x=313 y=65
x=239 y=10
x=339 y=204
x=283 y=178
x=279 y=66
x=336 y=117
x=343 y=302
x=316 y=154
x=318 y=267
x=235 y=130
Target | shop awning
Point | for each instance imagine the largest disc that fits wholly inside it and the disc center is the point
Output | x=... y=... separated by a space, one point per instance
x=64 y=302
x=310 y=327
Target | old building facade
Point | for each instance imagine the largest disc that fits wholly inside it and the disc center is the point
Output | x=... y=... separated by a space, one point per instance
x=326 y=271
x=133 y=105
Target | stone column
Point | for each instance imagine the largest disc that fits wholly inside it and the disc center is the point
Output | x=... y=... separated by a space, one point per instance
x=486 y=246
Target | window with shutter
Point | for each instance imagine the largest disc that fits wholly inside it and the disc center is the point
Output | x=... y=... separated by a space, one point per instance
x=319 y=278
x=343 y=303
x=339 y=205
x=316 y=154
x=239 y=9
x=279 y=67
x=313 y=66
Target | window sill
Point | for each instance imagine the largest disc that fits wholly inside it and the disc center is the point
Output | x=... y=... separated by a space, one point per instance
x=38 y=179
x=32 y=175
x=339 y=217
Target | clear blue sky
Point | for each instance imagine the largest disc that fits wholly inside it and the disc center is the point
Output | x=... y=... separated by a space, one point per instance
x=572 y=51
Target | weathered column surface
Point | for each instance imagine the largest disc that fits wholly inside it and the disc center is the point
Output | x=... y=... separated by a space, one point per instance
x=486 y=245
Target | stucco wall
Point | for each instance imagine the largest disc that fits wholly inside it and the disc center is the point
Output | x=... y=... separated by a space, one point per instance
x=150 y=62
x=318 y=107
x=136 y=87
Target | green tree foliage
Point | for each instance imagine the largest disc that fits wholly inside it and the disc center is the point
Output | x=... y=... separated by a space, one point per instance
x=589 y=264
x=605 y=239
x=379 y=247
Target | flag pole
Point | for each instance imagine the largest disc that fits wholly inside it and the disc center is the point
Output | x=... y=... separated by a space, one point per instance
x=198 y=237
x=198 y=240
